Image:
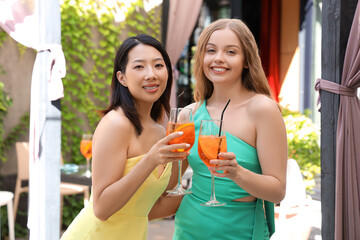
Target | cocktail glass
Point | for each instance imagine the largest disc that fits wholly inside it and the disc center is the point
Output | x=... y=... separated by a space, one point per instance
x=181 y=119
x=211 y=142
x=86 y=151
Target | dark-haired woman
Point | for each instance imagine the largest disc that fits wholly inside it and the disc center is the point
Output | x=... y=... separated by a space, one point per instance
x=131 y=165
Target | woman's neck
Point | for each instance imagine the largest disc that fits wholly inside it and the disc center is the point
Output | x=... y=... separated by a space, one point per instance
x=222 y=94
x=144 y=111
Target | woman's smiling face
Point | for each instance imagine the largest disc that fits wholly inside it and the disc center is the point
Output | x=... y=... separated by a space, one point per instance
x=146 y=74
x=224 y=58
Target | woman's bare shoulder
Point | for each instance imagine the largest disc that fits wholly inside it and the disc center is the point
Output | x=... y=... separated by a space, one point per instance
x=194 y=106
x=115 y=121
x=262 y=105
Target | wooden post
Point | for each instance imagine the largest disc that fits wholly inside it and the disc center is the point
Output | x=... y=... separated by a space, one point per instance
x=164 y=20
x=336 y=23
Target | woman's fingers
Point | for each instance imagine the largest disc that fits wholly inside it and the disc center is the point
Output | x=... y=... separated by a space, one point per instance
x=181 y=146
x=227 y=155
x=224 y=167
x=165 y=152
x=171 y=136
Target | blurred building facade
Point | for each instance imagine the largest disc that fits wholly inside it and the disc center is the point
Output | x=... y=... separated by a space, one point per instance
x=293 y=28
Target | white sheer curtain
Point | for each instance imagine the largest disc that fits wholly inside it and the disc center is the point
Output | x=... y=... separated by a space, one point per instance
x=36 y=24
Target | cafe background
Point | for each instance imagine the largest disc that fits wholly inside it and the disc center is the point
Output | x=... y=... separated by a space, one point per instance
x=91 y=32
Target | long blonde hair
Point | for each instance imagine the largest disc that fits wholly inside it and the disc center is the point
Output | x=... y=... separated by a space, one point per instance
x=253 y=77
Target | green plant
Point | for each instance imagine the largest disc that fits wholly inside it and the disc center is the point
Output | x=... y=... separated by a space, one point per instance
x=3 y=36
x=72 y=206
x=5 y=103
x=303 y=146
x=89 y=39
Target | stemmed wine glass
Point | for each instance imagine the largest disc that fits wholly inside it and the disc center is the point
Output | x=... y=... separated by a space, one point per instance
x=86 y=151
x=181 y=119
x=212 y=141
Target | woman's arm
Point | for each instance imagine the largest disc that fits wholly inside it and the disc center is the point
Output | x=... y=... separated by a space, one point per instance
x=167 y=205
x=271 y=145
x=112 y=190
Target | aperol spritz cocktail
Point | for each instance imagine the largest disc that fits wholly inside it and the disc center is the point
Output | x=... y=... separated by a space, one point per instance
x=188 y=136
x=86 y=151
x=181 y=120
x=212 y=141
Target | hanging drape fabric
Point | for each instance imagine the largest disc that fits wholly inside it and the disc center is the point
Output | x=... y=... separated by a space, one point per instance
x=347 y=197
x=21 y=20
x=270 y=43
x=182 y=18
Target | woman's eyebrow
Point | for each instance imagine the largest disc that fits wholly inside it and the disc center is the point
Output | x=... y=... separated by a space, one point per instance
x=143 y=60
x=227 y=46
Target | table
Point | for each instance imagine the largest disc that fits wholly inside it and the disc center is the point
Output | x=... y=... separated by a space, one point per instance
x=76 y=176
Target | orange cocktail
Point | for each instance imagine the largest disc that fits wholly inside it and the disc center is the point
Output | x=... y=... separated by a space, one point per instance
x=211 y=141
x=86 y=151
x=188 y=136
x=181 y=120
x=86 y=148
x=210 y=146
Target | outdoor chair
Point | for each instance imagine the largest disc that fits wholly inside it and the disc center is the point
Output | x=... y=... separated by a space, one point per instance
x=292 y=207
x=6 y=198
x=22 y=151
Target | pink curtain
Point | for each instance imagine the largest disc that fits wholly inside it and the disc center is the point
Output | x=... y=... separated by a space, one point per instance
x=183 y=15
x=347 y=197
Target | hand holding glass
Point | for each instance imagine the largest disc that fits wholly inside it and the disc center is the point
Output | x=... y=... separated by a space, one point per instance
x=181 y=119
x=86 y=151
x=211 y=142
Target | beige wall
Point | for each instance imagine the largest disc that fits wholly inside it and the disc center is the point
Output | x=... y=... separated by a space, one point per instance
x=17 y=78
x=289 y=54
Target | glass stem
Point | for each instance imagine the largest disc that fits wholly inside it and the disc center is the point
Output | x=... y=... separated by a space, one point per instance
x=212 y=197
x=87 y=165
x=179 y=178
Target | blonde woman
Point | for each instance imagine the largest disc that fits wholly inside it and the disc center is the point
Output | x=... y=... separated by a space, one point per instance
x=252 y=175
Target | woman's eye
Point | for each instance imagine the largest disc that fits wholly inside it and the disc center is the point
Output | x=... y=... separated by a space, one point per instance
x=210 y=50
x=138 y=67
x=159 y=65
x=231 y=52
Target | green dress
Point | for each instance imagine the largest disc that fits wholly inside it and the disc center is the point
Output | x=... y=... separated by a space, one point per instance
x=235 y=220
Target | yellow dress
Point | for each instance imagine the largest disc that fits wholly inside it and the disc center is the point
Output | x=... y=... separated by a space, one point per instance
x=130 y=222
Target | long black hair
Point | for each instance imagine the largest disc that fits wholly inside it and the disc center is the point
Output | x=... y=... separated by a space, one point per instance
x=121 y=96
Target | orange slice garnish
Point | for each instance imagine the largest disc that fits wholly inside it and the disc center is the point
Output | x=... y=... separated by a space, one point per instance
x=188 y=130
x=210 y=146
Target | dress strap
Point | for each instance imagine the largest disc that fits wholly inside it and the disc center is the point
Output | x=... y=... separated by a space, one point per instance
x=259 y=221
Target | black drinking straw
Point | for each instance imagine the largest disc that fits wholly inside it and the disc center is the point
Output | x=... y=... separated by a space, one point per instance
x=222 y=115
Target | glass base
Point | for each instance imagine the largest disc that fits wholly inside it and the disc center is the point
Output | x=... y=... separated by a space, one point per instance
x=87 y=174
x=178 y=190
x=213 y=203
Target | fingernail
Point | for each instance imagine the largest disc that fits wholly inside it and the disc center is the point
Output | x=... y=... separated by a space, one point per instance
x=180 y=133
x=187 y=145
